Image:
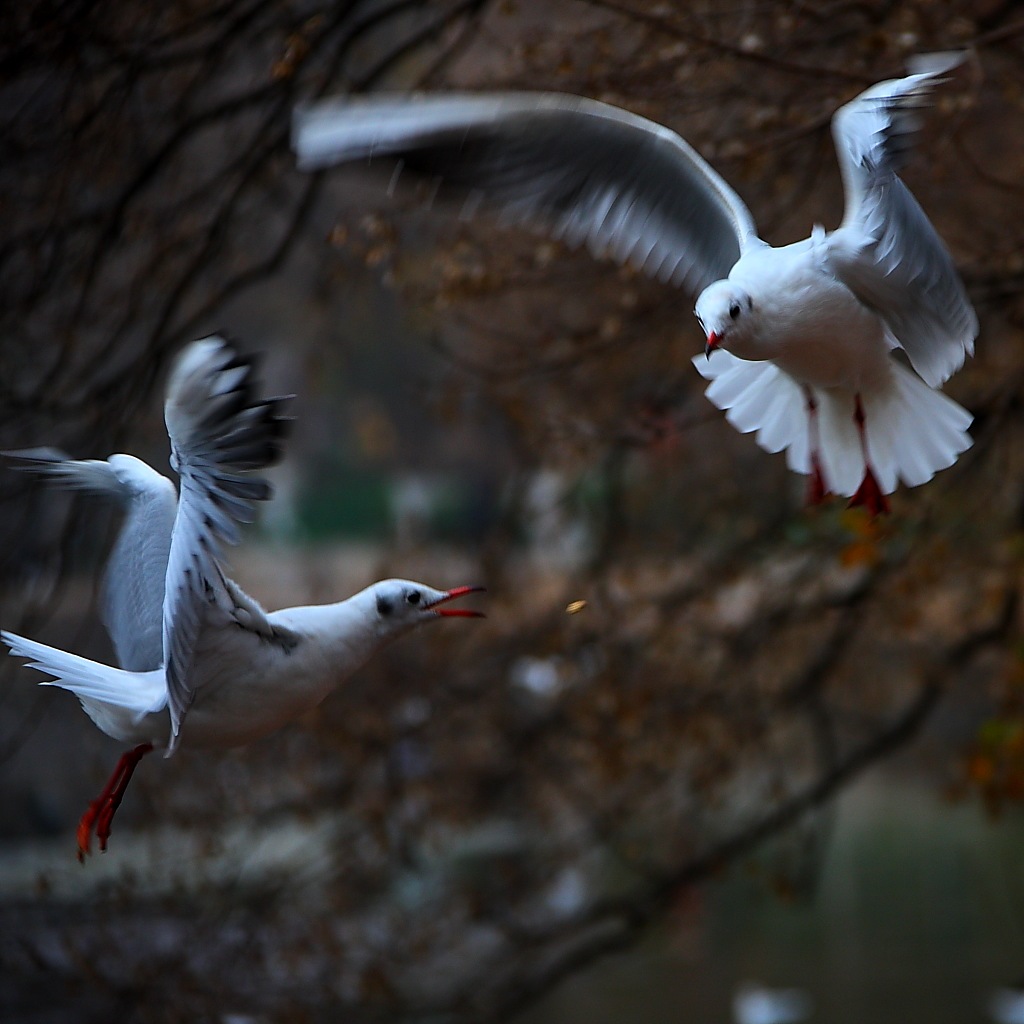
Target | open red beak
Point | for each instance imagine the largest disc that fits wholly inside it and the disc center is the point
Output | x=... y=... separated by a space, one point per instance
x=712 y=344
x=462 y=613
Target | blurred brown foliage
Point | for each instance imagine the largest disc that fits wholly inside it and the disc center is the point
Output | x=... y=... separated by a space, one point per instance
x=484 y=811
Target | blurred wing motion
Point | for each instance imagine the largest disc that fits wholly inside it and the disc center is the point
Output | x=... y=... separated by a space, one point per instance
x=592 y=173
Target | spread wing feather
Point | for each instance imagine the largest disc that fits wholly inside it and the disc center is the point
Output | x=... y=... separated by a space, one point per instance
x=219 y=431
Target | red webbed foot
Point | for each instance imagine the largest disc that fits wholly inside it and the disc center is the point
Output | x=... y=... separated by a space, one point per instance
x=100 y=814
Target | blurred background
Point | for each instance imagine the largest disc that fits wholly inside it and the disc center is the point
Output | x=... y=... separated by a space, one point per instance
x=705 y=739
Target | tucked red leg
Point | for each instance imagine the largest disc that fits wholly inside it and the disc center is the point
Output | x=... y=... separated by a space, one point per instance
x=101 y=811
x=869 y=495
x=817 y=490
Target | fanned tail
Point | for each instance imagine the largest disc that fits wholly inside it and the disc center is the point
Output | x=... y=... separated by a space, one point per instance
x=911 y=431
x=759 y=397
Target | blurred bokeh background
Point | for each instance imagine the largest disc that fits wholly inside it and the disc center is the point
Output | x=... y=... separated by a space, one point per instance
x=771 y=745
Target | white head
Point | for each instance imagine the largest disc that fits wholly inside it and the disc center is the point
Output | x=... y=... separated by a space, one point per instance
x=401 y=604
x=726 y=312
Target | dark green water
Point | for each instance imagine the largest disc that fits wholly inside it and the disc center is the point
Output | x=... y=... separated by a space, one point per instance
x=917 y=916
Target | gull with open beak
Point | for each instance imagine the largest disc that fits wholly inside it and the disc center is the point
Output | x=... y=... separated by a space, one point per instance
x=202 y=664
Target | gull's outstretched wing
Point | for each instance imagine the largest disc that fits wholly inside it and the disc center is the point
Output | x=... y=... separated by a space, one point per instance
x=886 y=250
x=220 y=432
x=133 y=581
x=589 y=171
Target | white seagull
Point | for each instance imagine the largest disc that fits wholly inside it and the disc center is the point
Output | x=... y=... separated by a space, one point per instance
x=202 y=663
x=800 y=337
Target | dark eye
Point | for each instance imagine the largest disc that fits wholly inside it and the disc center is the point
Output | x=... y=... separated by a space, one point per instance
x=413 y=597
x=383 y=605
x=734 y=310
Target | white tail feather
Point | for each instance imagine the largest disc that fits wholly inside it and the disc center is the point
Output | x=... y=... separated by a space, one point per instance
x=912 y=430
x=113 y=698
x=925 y=430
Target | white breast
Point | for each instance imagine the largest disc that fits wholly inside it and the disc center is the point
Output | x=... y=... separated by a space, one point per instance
x=809 y=323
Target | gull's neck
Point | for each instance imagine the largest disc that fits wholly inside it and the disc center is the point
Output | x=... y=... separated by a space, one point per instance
x=350 y=625
x=336 y=639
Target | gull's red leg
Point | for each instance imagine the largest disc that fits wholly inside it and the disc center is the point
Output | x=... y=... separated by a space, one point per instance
x=101 y=811
x=869 y=494
x=816 y=489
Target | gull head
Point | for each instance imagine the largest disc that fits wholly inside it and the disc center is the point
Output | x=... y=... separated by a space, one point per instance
x=726 y=312
x=402 y=604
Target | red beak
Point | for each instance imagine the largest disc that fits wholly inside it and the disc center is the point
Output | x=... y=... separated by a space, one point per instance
x=712 y=344
x=462 y=613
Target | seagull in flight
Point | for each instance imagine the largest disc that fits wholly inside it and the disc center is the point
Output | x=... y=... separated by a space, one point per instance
x=799 y=338
x=201 y=663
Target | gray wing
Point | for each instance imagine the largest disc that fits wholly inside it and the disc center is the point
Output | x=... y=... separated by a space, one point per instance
x=886 y=250
x=132 y=593
x=219 y=433
x=589 y=171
